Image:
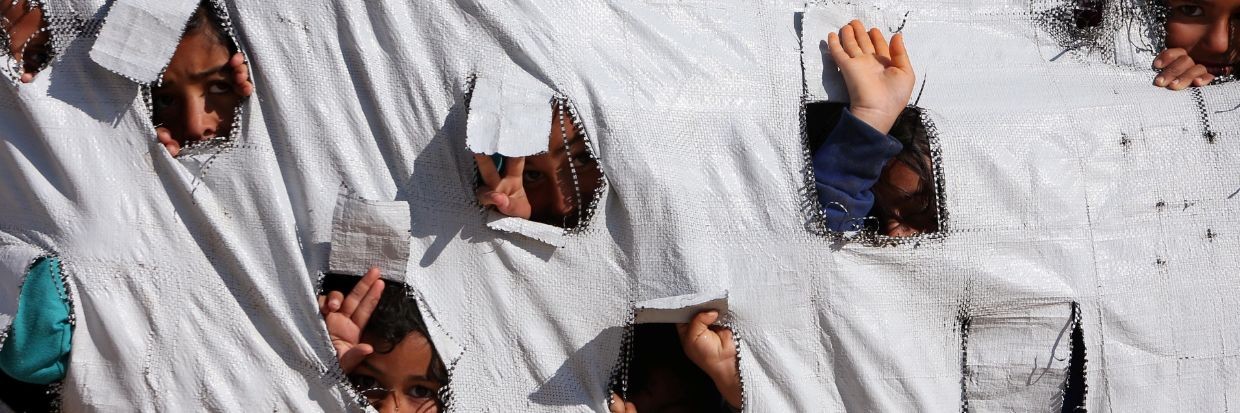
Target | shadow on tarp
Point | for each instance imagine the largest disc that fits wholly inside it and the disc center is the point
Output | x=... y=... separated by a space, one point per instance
x=571 y=384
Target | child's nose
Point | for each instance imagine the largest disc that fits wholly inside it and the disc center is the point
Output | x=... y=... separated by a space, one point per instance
x=200 y=124
x=1217 y=39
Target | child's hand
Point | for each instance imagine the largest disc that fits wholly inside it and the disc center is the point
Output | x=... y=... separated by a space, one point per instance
x=618 y=405
x=880 y=79
x=165 y=138
x=346 y=317
x=241 y=74
x=711 y=348
x=1178 y=71
x=507 y=193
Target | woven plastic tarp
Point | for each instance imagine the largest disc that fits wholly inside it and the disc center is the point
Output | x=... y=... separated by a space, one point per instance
x=1065 y=178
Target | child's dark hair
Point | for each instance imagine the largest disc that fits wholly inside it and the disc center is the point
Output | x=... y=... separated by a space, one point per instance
x=657 y=355
x=207 y=20
x=910 y=130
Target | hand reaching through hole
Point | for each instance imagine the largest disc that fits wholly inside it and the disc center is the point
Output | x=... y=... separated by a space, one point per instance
x=1178 y=71
x=879 y=77
x=346 y=318
x=506 y=193
x=27 y=34
x=712 y=349
x=241 y=74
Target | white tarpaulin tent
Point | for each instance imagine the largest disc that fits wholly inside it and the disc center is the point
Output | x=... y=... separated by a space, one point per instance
x=1066 y=176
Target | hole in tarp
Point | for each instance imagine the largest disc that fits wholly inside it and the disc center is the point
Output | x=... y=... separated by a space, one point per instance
x=1075 y=387
x=655 y=374
x=199 y=95
x=907 y=197
x=25 y=34
x=1165 y=28
x=25 y=397
x=402 y=349
x=560 y=187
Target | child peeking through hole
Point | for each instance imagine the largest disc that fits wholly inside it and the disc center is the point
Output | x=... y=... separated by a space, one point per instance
x=553 y=188
x=682 y=368
x=25 y=30
x=860 y=170
x=382 y=343
x=204 y=83
x=1201 y=43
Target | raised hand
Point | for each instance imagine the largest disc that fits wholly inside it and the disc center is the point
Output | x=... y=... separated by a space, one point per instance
x=241 y=74
x=506 y=193
x=1178 y=71
x=879 y=78
x=346 y=317
x=711 y=348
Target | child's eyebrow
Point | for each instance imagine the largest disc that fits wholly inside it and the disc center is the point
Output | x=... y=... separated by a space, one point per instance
x=212 y=71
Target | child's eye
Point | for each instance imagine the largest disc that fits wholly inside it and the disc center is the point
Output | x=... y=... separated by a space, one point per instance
x=420 y=392
x=1189 y=10
x=532 y=176
x=161 y=102
x=219 y=87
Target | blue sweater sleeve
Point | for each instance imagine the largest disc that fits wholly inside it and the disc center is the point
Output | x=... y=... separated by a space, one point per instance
x=37 y=347
x=846 y=166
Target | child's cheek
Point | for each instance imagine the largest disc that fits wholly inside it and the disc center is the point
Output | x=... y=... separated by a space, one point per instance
x=1183 y=35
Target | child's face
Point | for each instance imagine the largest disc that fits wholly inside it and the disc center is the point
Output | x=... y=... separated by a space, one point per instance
x=904 y=201
x=548 y=179
x=21 y=25
x=1205 y=29
x=197 y=98
x=399 y=380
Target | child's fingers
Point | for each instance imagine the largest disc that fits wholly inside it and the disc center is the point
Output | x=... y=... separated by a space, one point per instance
x=836 y=49
x=1203 y=80
x=899 y=54
x=27 y=77
x=700 y=324
x=359 y=293
x=863 y=39
x=515 y=168
x=1187 y=78
x=486 y=169
x=165 y=137
x=354 y=357
x=1167 y=56
x=849 y=41
x=361 y=315
x=1173 y=71
x=334 y=300
x=880 y=44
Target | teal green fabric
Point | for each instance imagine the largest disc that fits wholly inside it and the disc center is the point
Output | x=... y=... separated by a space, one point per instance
x=37 y=348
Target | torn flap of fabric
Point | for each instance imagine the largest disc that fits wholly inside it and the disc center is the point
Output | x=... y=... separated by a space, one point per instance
x=139 y=37
x=368 y=233
x=509 y=115
x=1018 y=361
x=547 y=234
x=681 y=308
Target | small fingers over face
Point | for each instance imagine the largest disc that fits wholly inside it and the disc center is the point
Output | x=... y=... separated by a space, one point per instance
x=863 y=39
x=241 y=74
x=165 y=137
x=1173 y=71
x=1189 y=78
x=514 y=168
x=333 y=301
x=487 y=170
x=1167 y=56
x=361 y=315
x=354 y=357
x=359 y=292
